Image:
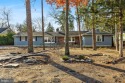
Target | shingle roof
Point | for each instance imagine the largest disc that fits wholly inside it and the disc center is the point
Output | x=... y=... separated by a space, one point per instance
x=97 y=31
x=2 y=29
x=25 y=34
x=71 y=33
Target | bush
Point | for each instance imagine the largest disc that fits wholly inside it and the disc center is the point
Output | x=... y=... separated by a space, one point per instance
x=65 y=58
x=7 y=39
x=81 y=57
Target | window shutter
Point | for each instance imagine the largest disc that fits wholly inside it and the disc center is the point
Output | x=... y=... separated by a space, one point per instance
x=20 y=38
x=55 y=39
x=102 y=37
x=25 y=38
x=36 y=38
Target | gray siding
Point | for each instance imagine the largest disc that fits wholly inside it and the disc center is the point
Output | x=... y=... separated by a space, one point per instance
x=107 y=41
x=17 y=41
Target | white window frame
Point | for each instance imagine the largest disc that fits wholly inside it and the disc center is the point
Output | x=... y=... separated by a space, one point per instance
x=71 y=39
x=100 y=38
x=23 y=38
x=49 y=38
x=34 y=38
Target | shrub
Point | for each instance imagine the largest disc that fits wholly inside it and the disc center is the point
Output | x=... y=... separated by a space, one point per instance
x=7 y=39
x=65 y=58
x=81 y=57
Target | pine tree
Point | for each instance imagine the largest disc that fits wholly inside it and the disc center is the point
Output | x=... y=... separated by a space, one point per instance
x=50 y=28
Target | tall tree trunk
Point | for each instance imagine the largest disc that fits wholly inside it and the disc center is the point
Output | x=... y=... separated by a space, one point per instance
x=67 y=30
x=93 y=38
x=93 y=28
x=42 y=24
x=121 y=32
x=116 y=36
x=29 y=26
x=78 y=23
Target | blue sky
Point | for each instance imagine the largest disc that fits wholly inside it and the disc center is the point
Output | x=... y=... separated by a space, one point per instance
x=19 y=12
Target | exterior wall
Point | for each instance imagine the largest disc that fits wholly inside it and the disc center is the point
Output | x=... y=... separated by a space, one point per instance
x=77 y=40
x=60 y=40
x=17 y=42
x=107 y=41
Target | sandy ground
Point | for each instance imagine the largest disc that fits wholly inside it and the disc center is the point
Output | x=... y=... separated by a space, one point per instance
x=59 y=72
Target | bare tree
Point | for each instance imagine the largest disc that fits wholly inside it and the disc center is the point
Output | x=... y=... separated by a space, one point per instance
x=37 y=23
x=5 y=17
x=29 y=26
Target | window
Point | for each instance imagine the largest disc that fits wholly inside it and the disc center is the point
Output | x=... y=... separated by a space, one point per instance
x=49 y=39
x=35 y=38
x=98 y=38
x=46 y=39
x=71 y=39
x=23 y=38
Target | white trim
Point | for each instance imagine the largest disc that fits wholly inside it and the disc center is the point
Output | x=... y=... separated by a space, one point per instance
x=49 y=40
x=100 y=38
x=23 y=38
x=71 y=39
x=34 y=38
x=98 y=45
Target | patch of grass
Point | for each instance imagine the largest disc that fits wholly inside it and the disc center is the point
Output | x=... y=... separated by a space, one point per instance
x=65 y=57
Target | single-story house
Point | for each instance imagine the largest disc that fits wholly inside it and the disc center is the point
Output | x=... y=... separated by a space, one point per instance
x=4 y=31
x=51 y=38
x=21 y=39
x=103 y=39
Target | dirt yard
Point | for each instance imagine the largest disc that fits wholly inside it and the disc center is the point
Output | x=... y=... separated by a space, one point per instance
x=57 y=71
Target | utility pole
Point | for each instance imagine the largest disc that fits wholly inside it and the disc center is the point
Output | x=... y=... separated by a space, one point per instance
x=29 y=26
x=42 y=24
